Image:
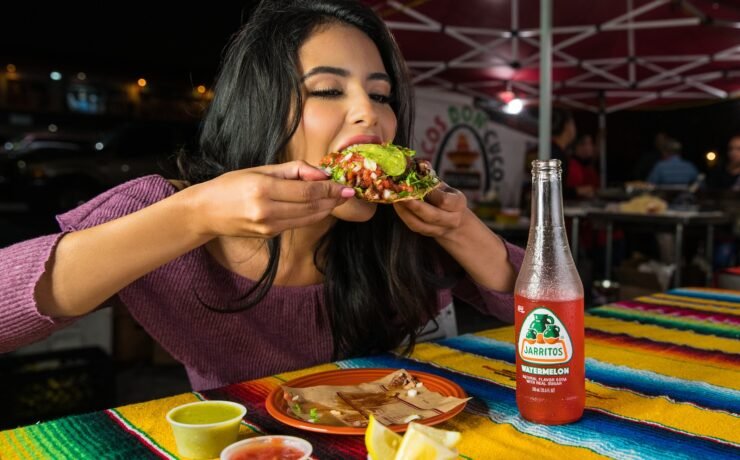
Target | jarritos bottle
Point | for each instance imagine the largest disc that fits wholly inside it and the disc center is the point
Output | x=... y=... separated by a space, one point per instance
x=548 y=318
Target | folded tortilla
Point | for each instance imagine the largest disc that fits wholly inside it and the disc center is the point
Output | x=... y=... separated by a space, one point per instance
x=396 y=399
x=381 y=173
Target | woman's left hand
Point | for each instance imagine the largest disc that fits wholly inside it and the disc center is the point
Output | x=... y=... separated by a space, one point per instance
x=438 y=216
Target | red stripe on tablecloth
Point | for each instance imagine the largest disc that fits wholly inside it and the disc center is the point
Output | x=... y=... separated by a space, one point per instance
x=683 y=312
x=665 y=348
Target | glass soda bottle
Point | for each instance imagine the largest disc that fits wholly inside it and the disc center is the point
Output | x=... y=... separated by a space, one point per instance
x=548 y=318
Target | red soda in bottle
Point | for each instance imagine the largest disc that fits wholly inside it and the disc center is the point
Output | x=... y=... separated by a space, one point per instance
x=548 y=318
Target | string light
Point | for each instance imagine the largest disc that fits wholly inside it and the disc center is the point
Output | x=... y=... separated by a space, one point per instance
x=82 y=76
x=201 y=89
x=56 y=76
x=514 y=106
x=141 y=82
x=711 y=156
x=10 y=68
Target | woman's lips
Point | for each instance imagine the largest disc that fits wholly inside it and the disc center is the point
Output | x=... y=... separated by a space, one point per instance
x=360 y=139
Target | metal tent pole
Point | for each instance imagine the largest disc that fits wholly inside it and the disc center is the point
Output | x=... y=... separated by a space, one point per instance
x=602 y=138
x=545 y=78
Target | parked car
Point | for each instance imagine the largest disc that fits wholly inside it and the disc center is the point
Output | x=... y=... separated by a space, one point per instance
x=58 y=174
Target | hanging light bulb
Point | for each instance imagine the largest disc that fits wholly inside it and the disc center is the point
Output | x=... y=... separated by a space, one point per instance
x=514 y=106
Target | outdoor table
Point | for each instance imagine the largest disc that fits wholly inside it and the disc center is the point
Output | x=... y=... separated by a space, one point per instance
x=663 y=381
x=678 y=220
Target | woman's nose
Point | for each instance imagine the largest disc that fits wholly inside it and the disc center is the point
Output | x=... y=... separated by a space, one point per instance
x=363 y=110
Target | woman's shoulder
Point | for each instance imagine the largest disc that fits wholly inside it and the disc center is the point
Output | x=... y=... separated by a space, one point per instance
x=119 y=201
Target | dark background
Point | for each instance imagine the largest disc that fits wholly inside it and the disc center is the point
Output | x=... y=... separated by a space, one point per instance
x=176 y=46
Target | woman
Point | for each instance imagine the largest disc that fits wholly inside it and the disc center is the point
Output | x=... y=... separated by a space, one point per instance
x=336 y=277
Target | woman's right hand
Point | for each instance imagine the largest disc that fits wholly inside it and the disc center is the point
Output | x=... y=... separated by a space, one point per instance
x=265 y=201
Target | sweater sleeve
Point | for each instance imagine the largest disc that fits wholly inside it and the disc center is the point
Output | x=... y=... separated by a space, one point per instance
x=488 y=301
x=22 y=264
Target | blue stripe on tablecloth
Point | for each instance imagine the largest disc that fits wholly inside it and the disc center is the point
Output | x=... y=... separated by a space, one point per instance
x=602 y=433
x=708 y=295
x=649 y=383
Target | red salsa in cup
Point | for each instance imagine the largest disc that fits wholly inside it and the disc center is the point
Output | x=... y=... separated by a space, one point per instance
x=274 y=449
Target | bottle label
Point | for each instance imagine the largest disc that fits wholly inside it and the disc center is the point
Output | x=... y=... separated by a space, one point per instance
x=544 y=340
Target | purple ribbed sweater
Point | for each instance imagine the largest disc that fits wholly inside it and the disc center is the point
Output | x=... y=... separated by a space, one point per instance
x=287 y=330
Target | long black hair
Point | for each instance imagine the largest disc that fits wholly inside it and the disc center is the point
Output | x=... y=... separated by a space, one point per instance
x=380 y=280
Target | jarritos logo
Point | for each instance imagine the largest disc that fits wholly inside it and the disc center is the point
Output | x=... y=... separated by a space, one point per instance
x=543 y=338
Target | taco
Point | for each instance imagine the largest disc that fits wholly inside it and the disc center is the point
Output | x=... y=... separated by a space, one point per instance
x=383 y=173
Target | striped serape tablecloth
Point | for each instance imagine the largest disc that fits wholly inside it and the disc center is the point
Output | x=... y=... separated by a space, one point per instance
x=663 y=381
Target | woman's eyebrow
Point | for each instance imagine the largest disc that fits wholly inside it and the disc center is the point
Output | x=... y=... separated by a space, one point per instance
x=379 y=76
x=343 y=73
x=326 y=69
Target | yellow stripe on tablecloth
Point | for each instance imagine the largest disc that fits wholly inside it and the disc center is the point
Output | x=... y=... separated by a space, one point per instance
x=287 y=376
x=660 y=410
x=637 y=330
x=150 y=417
x=735 y=305
x=502 y=334
x=15 y=444
x=691 y=303
x=662 y=334
x=725 y=292
x=714 y=373
x=483 y=439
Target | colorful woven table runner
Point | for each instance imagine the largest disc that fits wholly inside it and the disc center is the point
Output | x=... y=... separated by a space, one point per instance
x=663 y=381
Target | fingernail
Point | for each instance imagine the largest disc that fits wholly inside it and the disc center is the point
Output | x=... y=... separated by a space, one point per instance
x=348 y=192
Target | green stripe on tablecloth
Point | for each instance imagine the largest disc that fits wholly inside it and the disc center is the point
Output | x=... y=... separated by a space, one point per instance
x=684 y=324
x=58 y=434
x=37 y=434
x=81 y=437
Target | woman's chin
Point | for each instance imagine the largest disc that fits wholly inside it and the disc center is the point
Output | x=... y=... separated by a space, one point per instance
x=355 y=210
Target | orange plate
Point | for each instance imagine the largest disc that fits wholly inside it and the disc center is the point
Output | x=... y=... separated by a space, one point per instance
x=278 y=408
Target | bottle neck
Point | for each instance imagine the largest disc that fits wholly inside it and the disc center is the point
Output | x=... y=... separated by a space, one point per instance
x=547 y=199
x=548 y=271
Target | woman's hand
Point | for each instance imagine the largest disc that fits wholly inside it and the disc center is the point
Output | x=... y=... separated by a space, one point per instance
x=444 y=215
x=438 y=216
x=265 y=201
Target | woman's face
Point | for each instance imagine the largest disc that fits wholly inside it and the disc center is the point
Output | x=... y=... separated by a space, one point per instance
x=346 y=92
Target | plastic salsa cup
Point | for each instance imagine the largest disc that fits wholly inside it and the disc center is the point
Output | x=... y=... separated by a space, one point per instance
x=268 y=448
x=202 y=429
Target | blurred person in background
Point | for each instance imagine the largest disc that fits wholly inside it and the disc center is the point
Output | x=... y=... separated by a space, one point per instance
x=583 y=178
x=563 y=131
x=647 y=161
x=582 y=183
x=725 y=179
x=672 y=169
x=727 y=175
